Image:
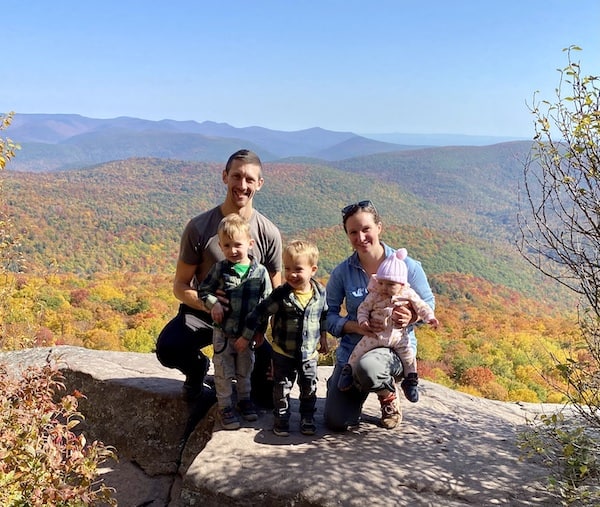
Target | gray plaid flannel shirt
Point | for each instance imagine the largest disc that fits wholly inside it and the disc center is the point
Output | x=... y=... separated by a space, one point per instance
x=243 y=293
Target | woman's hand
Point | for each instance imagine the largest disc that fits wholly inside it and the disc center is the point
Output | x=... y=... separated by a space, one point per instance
x=404 y=315
x=323 y=345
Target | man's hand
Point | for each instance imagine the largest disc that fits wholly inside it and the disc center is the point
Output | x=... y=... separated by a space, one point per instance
x=217 y=313
x=222 y=299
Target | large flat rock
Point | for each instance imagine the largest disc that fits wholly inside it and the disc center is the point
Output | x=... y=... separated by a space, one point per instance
x=451 y=449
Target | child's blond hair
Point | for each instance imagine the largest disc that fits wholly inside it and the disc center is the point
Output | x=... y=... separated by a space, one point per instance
x=296 y=248
x=233 y=225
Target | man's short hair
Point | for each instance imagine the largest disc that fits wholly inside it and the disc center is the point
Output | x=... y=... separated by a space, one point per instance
x=247 y=156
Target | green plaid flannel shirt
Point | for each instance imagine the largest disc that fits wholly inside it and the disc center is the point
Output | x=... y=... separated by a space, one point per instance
x=296 y=331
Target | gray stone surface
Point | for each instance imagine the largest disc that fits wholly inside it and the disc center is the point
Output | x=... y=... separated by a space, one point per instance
x=451 y=449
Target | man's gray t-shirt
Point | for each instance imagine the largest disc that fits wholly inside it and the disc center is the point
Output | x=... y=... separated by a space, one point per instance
x=200 y=242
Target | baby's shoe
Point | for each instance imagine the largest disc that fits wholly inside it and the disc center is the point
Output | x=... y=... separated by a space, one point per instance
x=409 y=386
x=346 y=380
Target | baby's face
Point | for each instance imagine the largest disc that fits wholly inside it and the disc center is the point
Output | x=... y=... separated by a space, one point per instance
x=389 y=288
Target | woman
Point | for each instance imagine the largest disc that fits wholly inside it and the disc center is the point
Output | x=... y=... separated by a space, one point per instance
x=378 y=369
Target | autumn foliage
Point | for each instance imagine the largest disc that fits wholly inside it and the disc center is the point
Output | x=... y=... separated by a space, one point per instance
x=43 y=459
x=101 y=263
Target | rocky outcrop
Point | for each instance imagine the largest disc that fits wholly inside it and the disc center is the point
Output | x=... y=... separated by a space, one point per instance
x=450 y=450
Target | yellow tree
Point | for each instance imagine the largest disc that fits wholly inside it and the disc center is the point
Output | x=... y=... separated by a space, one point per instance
x=9 y=245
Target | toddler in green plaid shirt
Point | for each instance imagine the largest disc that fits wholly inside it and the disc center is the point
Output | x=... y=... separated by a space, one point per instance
x=298 y=333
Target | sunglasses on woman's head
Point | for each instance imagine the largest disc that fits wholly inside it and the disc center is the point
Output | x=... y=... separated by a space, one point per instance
x=353 y=208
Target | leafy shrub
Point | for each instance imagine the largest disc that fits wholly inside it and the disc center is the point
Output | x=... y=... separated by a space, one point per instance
x=42 y=460
x=571 y=450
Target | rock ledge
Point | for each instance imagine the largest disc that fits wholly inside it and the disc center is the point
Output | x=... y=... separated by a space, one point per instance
x=451 y=449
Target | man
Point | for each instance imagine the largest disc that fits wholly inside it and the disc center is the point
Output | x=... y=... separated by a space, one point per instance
x=178 y=345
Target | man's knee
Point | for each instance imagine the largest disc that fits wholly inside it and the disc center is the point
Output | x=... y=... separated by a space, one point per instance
x=189 y=360
x=166 y=355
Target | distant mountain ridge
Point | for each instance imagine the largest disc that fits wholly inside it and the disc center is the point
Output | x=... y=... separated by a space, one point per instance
x=53 y=142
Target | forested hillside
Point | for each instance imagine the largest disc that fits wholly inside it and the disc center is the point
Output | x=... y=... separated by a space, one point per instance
x=480 y=183
x=101 y=244
x=129 y=214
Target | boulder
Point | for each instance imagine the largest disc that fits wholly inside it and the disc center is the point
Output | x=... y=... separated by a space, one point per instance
x=451 y=449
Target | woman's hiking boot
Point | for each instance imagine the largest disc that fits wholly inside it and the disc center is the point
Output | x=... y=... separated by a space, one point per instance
x=390 y=411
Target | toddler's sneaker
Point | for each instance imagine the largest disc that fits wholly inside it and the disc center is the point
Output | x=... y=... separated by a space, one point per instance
x=346 y=380
x=409 y=386
x=229 y=419
x=307 y=425
x=246 y=408
x=281 y=428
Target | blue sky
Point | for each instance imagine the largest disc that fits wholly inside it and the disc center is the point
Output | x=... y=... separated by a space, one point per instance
x=386 y=66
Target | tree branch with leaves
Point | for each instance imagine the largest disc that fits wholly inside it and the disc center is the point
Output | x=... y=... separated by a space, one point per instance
x=559 y=224
x=7 y=147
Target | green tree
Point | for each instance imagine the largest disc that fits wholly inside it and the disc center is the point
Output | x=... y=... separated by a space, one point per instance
x=559 y=222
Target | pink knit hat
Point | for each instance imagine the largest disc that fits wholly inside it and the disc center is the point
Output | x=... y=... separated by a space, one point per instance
x=393 y=267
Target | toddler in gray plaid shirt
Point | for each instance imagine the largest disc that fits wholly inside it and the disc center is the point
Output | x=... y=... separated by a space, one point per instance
x=245 y=283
